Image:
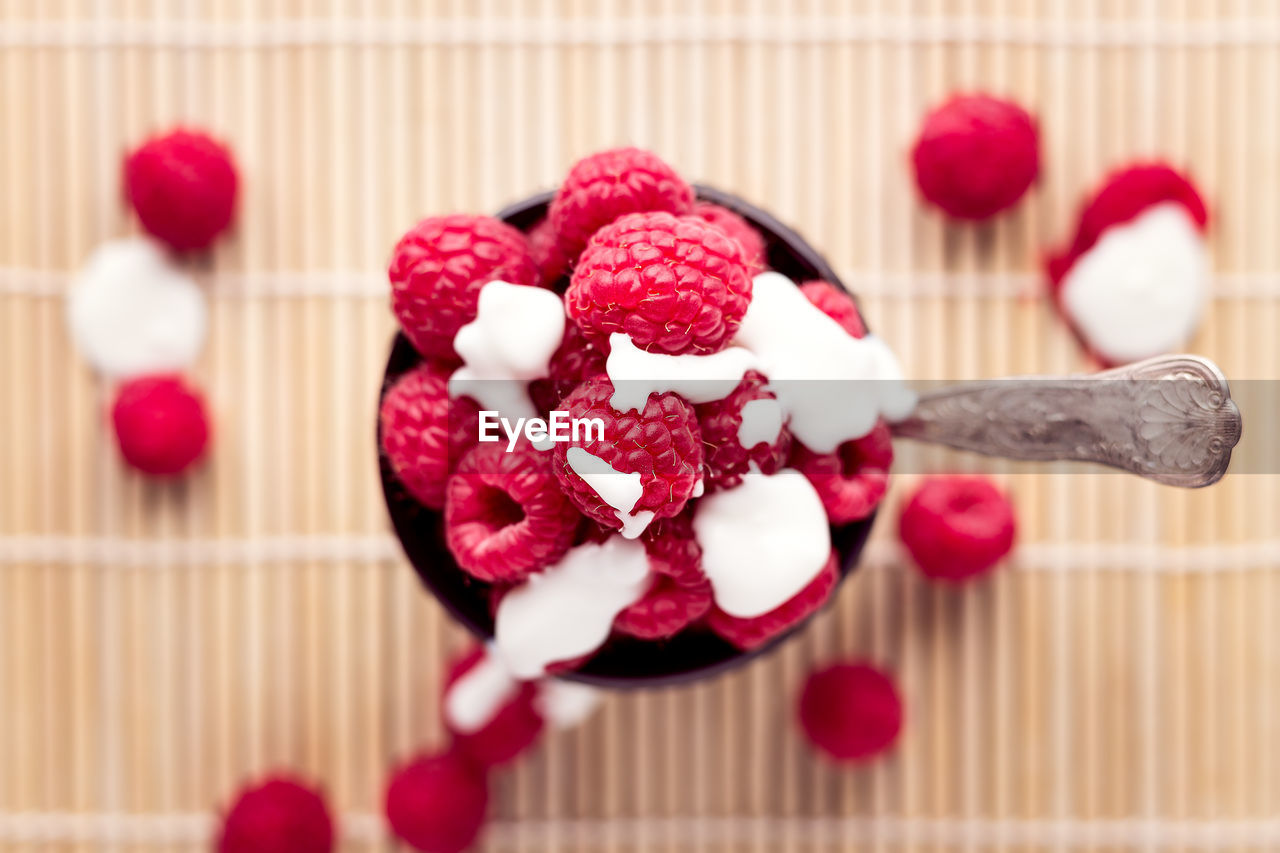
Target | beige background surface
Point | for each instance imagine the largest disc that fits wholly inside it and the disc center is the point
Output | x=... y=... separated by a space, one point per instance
x=1115 y=687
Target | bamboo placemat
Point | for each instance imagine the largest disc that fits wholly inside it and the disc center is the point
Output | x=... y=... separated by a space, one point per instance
x=1115 y=687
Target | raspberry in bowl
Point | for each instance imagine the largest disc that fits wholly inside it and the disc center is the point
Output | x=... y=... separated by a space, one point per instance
x=720 y=502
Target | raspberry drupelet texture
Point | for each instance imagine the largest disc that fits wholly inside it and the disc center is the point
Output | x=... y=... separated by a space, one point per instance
x=182 y=185
x=679 y=594
x=278 y=815
x=609 y=184
x=957 y=527
x=739 y=230
x=424 y=433
x=836 y=304
x=550 y=261
x=853 y=480
x=674 y=284
x=437 y=803
x=976 y=155
x=662 y=444
x=161 y=425
x=748 y=634
x=511 y=731
x=721 y=423
x=850 y=711
x=574 y=361
x=438 y=269
x=504 y=513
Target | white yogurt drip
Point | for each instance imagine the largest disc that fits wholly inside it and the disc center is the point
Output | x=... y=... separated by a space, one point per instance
x=761 y=422
x=636 y=374
x=132 y=311
x=1140 y=290
x=763 y=541
x=620 y=490
x=832 y=386
x=699 y=488
x=479 y=694
x=510 y=343
x=567 y=610
x=566 y=704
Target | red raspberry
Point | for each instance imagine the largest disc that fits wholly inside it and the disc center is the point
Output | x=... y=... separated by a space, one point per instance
x=604 y=186
x=1126 y=193
x=680 y=594
x=504 y=515
x=976 y=156
x=438 y=269
x=546 y=254
x=675 y=284
x=720 y=421
x=850 y=711
x=748 y=634
x=836 y=304
x=957 y=527
x=738 y=230
x=161 y=425
x=437 y=803
x=852 y=481
x=511 y=731
x=662 y=444
x=279 y=815
x=573 y=362
x=424 y=434
x=183 y=186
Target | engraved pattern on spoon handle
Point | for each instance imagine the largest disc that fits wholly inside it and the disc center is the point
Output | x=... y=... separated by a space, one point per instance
x=1170 y=419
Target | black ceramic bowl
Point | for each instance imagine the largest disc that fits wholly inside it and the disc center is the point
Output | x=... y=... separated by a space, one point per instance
x=623 y=661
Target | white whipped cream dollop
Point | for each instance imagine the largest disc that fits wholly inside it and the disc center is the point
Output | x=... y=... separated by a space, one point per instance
x=567 y=610
x=566 y=704
x=621 y=490
x=763 y=541
x=1140 y=290
x=477 y=696
x=635 y=373
x=132 y=311
x=761 y=421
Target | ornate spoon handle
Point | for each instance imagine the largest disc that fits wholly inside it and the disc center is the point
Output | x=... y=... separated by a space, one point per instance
x=1170 y=419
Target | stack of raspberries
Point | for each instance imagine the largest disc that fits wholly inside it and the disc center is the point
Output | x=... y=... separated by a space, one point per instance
x=630 y=249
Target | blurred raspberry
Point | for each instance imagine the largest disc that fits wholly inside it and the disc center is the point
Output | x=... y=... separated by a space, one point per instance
x=680 y=594
x=675 y=284
x=748 y=634
x=737 y=229
x=161 y=425
x=721 y=423
x=836 y=304
x=437 y=803
x=183 y=186
x=609 y=184
x=573 y=362
x=853 y=480
x=509 y=733
x=504 y=514
x=551 y=263
x=662 y=444
x=424 y=434
x=850 y=711
x=957 y=527
x=278 y=815
x=438 y=269
x=976 y=156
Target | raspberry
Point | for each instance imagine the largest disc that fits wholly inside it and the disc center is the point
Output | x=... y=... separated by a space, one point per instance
x=574 y=361
x=738 y=230
x=675 y=284
x=1126 y=193
x=852 y=481
x=437 y=803
x=438 y=268
x=161 y=425
x=183 y=186
x=850 y=711
x=836 y=304
x=680 y=594
x=748 y=634
x=546 y=254
x=279 y=815
x=976 y=155
x=512 y=730
x=424 y=434
x=721 y=423
x=957 y=527
x=604 y=186
x=504 y=515
x=662 y=444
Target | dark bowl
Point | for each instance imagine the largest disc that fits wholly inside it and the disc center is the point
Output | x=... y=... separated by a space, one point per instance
x=623 y=662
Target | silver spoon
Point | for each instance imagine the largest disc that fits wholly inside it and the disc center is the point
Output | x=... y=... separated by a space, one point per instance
x=1170 y=419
